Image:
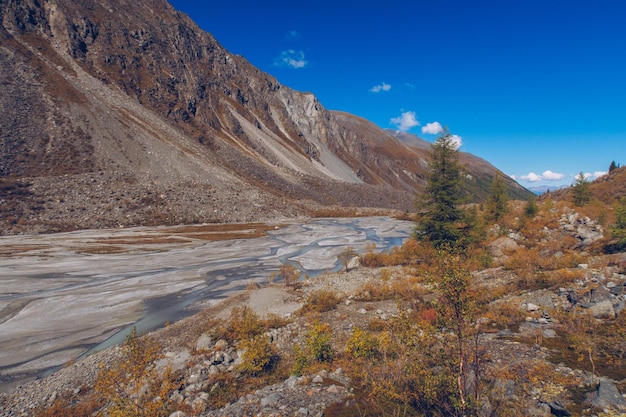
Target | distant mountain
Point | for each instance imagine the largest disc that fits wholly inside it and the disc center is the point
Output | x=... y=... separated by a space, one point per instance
x=121 y=113
x=541 y=189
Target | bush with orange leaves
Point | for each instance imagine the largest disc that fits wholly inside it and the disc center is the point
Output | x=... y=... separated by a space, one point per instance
x=134 y=386
x=410 y=253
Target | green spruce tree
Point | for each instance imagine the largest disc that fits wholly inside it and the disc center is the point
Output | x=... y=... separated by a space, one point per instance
x=581 y=194
x=438 y=214
x=531 y=208
x=497 y=201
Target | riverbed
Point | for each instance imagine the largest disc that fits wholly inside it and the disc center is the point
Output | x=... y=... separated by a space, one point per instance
x=64 y=294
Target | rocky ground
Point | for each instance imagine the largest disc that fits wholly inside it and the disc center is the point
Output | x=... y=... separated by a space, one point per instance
x=198 y=356
x=308 y=395
x=518 y=356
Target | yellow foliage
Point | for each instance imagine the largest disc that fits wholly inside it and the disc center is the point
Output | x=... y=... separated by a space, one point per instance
x=362 y=344
x=258 y=355
x=133 y=387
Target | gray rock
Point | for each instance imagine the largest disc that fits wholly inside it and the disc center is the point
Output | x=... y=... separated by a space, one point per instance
x=602 y=310
x=204 y=342
x=353 y=263
x=538 y=410
x=549 y=333
x=270 y=400
x=504 y=388
x=502 y=246
x=557 y=409
x=532 y=307
x=606 y=396
x=600 y=294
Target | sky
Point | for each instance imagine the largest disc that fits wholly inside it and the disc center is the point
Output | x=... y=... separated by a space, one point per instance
x=537 y=88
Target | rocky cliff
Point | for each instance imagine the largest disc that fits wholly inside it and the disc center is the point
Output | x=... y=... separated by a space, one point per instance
x=119 y=113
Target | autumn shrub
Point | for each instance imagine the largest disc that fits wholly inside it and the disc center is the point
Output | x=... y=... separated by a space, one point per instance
x=505 y=315
x=411 y=252
x=317 y=348
x=259 y=355
x=320 y=301
x=413 y=373
x=243 y=324
x=133 y=386
x=362 y=344
x=288 y=273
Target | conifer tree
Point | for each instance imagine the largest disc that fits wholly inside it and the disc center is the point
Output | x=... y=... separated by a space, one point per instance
x=439 y=216
x=613 y=166
x=581 y=194
x=497 y=202
x=531 y=208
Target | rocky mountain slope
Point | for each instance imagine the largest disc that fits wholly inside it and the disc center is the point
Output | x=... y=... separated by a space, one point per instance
x=122 y=113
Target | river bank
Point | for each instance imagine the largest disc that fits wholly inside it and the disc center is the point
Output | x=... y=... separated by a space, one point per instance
x=67 y=293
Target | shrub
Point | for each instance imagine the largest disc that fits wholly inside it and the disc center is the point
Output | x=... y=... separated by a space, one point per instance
x=317 y=348
x=362 y=344
x=133 y=386
x=258 y=355
x=321 y=301
x=288 y=273
x=244 y=324
x=318 y=342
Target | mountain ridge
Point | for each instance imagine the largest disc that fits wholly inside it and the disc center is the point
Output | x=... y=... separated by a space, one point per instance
x=153 y=112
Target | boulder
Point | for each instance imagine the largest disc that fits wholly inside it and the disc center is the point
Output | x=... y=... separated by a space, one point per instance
x=602 y=310
x=502 y=246
x=353 y=263
x=204 y=342
x=607 y=396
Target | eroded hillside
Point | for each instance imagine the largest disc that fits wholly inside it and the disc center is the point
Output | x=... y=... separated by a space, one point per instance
x=121 y=113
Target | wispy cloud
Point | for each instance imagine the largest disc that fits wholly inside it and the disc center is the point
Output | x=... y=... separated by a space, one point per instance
x=291 y=59
x=293 y=35
x=382 y=87
x=433 y=128
x=547 y=175
x=405 y=121
x=595 y=175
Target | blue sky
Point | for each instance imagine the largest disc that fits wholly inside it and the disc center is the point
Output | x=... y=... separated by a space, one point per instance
x=537 y=88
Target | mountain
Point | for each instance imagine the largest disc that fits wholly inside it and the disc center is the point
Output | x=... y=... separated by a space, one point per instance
x=119 y=113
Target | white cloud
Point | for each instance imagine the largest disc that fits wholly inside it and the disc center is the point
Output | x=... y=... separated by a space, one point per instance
x=292 y=59
x=405 y=121
x=433 y=128
x=382 y=87
x=552 y=176
x=531 y=177
x=599 y=174
x=547 y=175
x=457 y=141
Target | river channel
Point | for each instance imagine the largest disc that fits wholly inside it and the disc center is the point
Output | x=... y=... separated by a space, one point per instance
x=59 y=301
